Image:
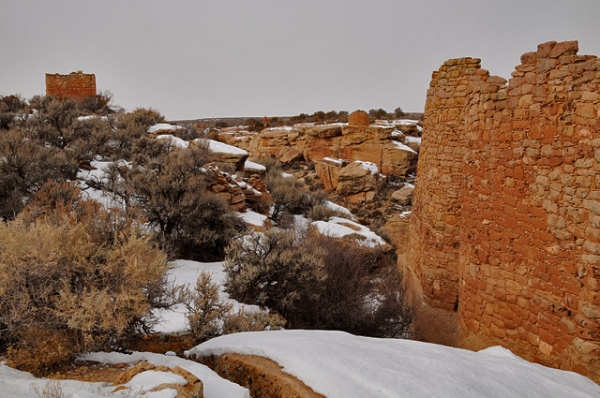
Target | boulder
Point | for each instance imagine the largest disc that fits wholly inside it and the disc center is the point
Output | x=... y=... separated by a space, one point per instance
x=404 y=195
x=359 y=118
x=275 y=142
x=413 y=143
x=162 y=128
x=328 y=170
x=223 y=153
x=233 y=191
x=361 y=197
x=396 y=228
x=372 y=134
x=326 y=130
x=237 y=137
x=357 y=177
x=392 y=157
x=289 y=155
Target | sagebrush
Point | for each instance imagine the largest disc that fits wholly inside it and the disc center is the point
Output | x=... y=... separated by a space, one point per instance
x=210 y=315
x=84 y=277
x=317 y=282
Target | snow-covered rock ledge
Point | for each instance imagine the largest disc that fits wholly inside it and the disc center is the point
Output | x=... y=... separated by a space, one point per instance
x=338 y=364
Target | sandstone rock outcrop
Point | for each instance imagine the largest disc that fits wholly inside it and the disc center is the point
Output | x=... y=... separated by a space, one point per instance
x=383 y=144
x=193 y=387
x=262 y=376
x=404 y=195
x=357 y=182
x=328 y=170
x=224 y=153
x=375 y=144
x=357 y=177
x=505 y=232
x=237 y=191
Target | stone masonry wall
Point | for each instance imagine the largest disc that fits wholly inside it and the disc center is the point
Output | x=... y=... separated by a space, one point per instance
x=76 y=85
x=506 y=220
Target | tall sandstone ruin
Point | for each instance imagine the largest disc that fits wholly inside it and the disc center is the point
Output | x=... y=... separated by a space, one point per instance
x=504 y=241
x=76 y=85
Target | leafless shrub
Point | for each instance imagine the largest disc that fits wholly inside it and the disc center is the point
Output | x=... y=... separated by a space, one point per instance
x=288 y=195
x=209 y=315
x=363 y=293
x=11 y=106
x=50 y=389
x=206 y=310
x=241 y=321
x=322 y=212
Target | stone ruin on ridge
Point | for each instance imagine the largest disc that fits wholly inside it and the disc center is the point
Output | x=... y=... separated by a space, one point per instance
x=76 y=85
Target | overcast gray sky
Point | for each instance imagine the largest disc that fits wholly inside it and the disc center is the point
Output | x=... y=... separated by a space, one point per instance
x=209 y=58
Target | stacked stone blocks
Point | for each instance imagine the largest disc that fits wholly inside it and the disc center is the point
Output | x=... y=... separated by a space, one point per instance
x=506 y=217
x=76 y=85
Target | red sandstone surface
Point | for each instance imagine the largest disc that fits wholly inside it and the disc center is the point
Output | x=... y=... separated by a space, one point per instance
x=505 y=231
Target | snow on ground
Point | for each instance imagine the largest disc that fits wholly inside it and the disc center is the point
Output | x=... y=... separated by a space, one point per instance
x=403 y=147
x=253 y=218
x=369 y=166
x=406 y=122
x=98 y=175
x=175 y=141
x=286 y=128
x=14 y=383
x=341 y=209
x=163 y=126
x=214 y=385
x=338 y=227
x=335 y=161
x=416 y=140
x=252 y=166
x=397 y=134
x=220 y=147
x=338 y=364
x=186 y=272
x=405 y=213
x=90 y=117
x=146 y=381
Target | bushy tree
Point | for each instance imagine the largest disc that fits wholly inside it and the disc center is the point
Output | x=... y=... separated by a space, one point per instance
x=398 y=112
x=25 y=165
x=83 y=277
x=99 y=104
x=363 y=293
x=378 y=113
x=276 y=270
x=10 y=107
x=317 y=282
x=55 y=120
x=169 y=191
